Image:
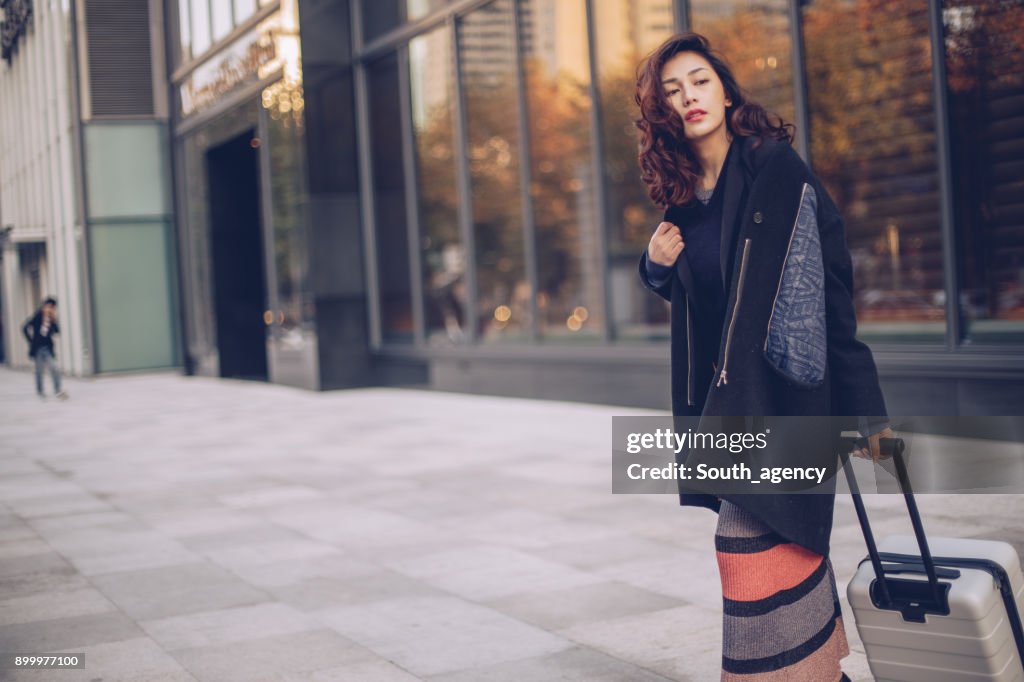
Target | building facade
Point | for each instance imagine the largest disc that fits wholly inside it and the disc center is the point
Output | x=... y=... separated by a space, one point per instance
x=84 y=184
x=445 y=193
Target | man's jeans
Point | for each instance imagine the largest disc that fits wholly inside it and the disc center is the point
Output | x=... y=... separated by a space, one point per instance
x=44 y=359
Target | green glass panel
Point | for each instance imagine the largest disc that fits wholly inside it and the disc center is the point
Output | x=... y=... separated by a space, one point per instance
x=132 y=296
x=127 y=170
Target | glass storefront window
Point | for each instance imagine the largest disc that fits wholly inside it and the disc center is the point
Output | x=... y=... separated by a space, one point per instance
x=626 y=31
x=869 y=89
x=557 y=68
x=754 y=38
x=200 y=15
x=392 y=236
x=441 y=249
x=488 y=58
x=985 y=86
x=286 y=157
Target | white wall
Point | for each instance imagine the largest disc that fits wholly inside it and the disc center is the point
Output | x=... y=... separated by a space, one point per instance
x=37 y=187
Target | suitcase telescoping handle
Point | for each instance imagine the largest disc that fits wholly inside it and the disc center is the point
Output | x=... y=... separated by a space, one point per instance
x=893 y=447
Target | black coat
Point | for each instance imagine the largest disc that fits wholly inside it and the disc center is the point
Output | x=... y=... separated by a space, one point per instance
x=788 y=345
x=32 y=330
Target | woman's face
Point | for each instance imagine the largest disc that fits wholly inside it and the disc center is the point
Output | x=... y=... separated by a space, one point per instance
x=692 y=86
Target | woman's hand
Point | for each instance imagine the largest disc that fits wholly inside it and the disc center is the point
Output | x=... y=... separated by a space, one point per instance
x=666 y=245
x=873 y=451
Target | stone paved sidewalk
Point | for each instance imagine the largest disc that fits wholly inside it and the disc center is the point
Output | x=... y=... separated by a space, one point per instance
x=177 y=528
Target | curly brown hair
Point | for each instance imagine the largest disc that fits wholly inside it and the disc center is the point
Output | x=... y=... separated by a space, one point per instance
x=668 y=165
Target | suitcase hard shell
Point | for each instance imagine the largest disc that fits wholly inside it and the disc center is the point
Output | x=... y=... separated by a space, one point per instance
x=975 y=641
x=938 y=609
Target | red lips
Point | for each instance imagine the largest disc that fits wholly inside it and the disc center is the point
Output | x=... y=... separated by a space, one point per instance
x=694 y=114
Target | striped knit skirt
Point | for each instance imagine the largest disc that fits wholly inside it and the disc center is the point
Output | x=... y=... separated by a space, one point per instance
x=781 y=616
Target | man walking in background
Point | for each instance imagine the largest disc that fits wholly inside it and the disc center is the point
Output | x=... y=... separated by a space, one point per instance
x=40 y=330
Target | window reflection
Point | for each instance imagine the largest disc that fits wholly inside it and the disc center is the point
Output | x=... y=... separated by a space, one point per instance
x=287 y=187
x=380 y=16
x=389 y=200
x=873 y=145
x=985 y=85
x=557 y=68
x=488 y=59
x=443 y=258
x=625 y=31
x=754 y=37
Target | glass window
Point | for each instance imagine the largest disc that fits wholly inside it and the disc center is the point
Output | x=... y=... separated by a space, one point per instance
x=135 y=325
x=184 y=32
x=389 y=199
x=557 y=68
x=985 y=85
x=754 y=37
x=243 y=10
x=380 y=16
x=488 y=58
x=625 y=31
x=200 y=15
x=872 y=121
x=122 y=179
x=222 y=23
x=283 y=104
x=441 y=248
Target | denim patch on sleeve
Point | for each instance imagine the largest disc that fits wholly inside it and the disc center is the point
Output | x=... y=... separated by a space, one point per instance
x=796 y=342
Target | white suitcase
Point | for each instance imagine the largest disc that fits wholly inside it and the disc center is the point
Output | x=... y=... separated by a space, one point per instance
x=949 y=609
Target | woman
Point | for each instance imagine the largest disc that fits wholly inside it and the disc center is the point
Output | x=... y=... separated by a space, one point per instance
x=752 y=256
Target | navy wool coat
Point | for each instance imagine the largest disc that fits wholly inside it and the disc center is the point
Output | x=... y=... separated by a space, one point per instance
x=788 y=345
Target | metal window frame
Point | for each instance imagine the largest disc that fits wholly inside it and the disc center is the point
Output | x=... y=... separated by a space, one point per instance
x=597 y=156
x=940 y=103
x=367 y=212
x=800 y=102
x=463 y=183
x=525 y=175
x=412 y=198
x=681 y=15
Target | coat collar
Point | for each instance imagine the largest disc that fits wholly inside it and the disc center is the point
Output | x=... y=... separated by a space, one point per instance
x=741 y=168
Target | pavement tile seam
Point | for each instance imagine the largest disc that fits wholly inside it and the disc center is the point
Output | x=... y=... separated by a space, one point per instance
x=235 y=406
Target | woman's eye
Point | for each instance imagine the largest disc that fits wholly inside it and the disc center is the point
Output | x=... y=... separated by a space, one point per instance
x=704 y=80
x=671 y=92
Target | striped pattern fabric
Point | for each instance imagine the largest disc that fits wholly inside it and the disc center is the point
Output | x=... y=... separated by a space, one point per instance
x=781 y=619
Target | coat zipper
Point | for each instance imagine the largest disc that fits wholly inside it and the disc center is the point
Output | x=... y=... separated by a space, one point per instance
x=722 y=378
x=789 y=247
x=689 y=356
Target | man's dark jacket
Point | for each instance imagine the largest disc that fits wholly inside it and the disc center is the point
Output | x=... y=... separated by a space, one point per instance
x=32 y=330
x=788 y=345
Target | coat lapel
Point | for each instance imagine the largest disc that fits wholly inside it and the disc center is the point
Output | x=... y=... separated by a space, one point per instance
x=736 y=182
x=739 y=173
x=678 y=216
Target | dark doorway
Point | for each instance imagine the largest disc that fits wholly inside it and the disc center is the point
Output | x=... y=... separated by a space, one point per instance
x=239 y=284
